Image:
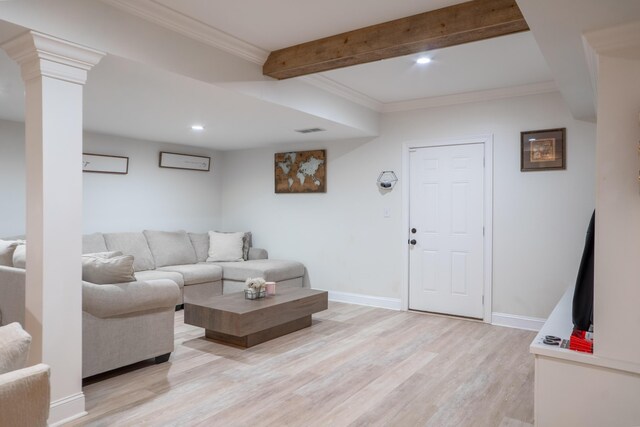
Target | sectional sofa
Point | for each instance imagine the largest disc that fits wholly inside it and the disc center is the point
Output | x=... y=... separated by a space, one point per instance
x=125 y=323
x=182 y=257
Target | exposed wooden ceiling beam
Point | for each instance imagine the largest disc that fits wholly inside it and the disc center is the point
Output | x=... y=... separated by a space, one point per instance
x=462 y=23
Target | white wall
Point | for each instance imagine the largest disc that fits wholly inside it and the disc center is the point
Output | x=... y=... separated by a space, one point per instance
x=148 y=197
x=617 y=270
x=540 y=218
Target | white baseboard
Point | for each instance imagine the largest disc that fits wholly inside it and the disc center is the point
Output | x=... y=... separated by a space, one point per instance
x=518 y=322
x=66 y=409
x=372 y=301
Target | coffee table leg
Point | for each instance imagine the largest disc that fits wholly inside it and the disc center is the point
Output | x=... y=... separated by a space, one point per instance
x=261 y=336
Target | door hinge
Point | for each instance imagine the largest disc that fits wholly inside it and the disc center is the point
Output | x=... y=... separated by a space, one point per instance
x=483 y=231
x=482 y=299
x=483 y=162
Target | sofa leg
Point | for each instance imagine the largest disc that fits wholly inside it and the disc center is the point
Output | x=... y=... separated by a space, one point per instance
x=163 y=358
x=179 y=307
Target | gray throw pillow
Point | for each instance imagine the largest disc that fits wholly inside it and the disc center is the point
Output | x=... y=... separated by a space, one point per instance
x=14 y=347
x=102 y=271
x=7 y=247
x=246 y=245
x=106 y=254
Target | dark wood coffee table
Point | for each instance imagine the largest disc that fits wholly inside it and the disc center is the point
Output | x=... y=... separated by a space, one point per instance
x=232 y=319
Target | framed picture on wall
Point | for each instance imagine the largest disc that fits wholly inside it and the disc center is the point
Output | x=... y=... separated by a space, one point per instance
x=99 y=163
x=185 y=161
x=301 y=172
x=543 y=150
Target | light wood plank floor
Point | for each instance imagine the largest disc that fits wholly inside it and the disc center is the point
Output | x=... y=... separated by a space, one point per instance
x=356 y=366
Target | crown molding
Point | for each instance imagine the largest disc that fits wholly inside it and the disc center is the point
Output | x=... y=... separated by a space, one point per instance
x=464 y=98
x=622 y=40
x=43 y=55
x=343 y=91
x=173 y=20
x=192 y=28
x=591 y=57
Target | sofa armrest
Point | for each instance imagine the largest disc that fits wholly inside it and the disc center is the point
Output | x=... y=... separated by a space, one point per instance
x=133 y=297
x=12 y=295
x=24 y=396
x=257 y=253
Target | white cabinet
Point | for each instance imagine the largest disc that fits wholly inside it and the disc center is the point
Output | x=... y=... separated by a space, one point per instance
x=580 y=389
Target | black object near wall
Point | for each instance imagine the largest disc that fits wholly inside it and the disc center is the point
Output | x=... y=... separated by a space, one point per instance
x=583 y=293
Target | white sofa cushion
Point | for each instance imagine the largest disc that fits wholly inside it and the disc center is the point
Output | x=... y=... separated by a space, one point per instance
x=14 y=347
x=93 y=243
x=271 y=270
x=131 y=244
x=225 y=246
x=147 y=275
x=170 y=247
x=194 y=274
x=200 y=242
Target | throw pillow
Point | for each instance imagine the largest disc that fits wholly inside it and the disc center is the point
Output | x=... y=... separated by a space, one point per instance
x=14 y=347
x=20 y=256
x=107 y=254
x=246 y=243
x=7 y=247
x=225 y=246
x=103 y=271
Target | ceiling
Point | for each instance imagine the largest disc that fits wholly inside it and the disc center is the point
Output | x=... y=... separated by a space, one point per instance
x=126 y=98
x=276 y=24
x=506 y=61
x=489 y=64
x=558 y=27
x=125 y=95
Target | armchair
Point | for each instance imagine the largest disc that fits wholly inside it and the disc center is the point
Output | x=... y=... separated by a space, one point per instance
x=24 y=392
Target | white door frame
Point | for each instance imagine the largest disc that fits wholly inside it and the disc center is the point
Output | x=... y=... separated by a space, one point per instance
x=487 y=141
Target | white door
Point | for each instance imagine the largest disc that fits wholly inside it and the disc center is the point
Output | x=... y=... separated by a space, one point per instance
x=446 y=273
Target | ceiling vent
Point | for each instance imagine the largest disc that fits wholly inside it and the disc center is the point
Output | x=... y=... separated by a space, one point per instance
x=310 y=130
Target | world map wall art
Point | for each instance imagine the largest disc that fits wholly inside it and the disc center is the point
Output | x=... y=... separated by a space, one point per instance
x=301 y=172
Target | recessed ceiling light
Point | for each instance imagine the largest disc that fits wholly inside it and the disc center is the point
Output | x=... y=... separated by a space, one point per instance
x=197 y=127
x=423 y=60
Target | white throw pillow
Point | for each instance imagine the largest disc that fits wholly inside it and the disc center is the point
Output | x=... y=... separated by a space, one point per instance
x=103 y=270
x=20 y=256
x=7 y=247
x=225 y=246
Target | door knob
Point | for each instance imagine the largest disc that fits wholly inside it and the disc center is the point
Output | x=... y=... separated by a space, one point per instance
x=413 y=241
x=414 y=231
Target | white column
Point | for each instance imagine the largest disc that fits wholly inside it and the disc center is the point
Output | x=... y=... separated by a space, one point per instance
x=616 y=60
x=54 y=72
